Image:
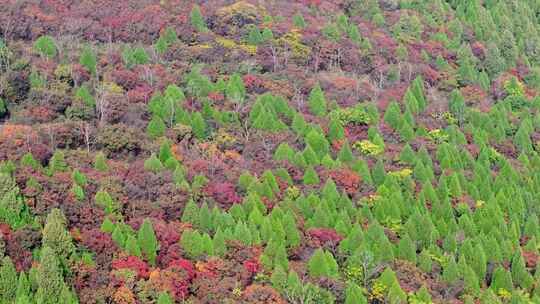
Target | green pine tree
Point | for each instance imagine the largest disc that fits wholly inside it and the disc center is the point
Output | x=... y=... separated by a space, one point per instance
x=148 y=241
x=156 y=127
x=317 y=101
x=318 y=264
x=392 y=115
x=8 y=281
x=100 y=162
x=354 y=295
x=55 y=235
x=311 y=177
x=153 y=164
x=198 y=125
x=164 y=298
x=49 y=279
x=45 y=46
x=197 y=19
x=88 y=59
x=502 y=279
x=132 y=247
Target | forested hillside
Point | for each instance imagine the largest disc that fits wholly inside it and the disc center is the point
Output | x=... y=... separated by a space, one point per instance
x=270 y=152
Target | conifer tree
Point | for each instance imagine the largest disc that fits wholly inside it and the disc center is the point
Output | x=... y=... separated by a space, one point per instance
x=318 y=143
x=8 y=281
x=267 y=34
x=311 y=177
x=406 y=132
x=407 y=249
x=118 y=237
x=299 y=21
x=164 y=298
x=501 y=279
x=456 y=105
x=56 y=236
x=100 y=162
x=345 y=154
x=521 y=277
x=88 y=59
x=23 y=288
x=156 y=127
x=197 y=19
x=148 y=241
x=191 y=213
x=57 y=163
x=335 y=130
x=218 y=242
x=423 y=294
x=392 y=115
x=284 y=152
x=411 y=102
x=417 y=88
x=235 y=89
x=198 y=125
x=378 y=173
x=451 y=272
x=45 y=46
x=107 y=226
x=132 y=246
x=317 y=264
x=49 y=279
x=254 y=36
x=153 y=164
x=310 y=157
x=470 y=280
x=407 y=155
x=354 y=295
x=317 y=101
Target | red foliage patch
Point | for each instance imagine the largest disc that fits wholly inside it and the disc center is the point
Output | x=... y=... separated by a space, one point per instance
x=133 y=263
x=324 y=236
x=252 y=266
x=346 y=179
x=224 y=193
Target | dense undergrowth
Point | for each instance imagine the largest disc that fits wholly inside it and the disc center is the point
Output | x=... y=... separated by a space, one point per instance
x=349 y=151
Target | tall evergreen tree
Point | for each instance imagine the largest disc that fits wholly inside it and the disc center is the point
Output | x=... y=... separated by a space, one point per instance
x=317 y=101
x=49 y=279
x=197 y=19
x=148 y=241
x=8 y=281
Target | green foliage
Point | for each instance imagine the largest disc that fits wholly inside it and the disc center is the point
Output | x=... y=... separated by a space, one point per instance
x=354 y=295
x=49 y=279
x=164 y=298
x=198 y=125
x=197 y=19
x=317 y=101
x=57 y=163
x=88 y=59
x=105 y=201
x=56 y=236
x=134 y=56
x=235 y=89
x=153 y=164
x=100 y=162
x=148 y=241
x=299 y=21
x=156 y=127
x=46 y=46
x=8 y=281
x=322 y=264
